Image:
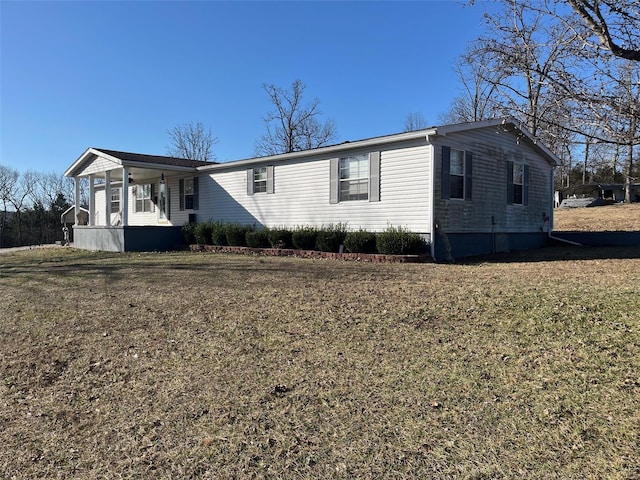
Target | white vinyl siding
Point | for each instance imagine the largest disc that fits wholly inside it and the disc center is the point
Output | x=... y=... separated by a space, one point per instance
x=98 y=165
x=302 y=194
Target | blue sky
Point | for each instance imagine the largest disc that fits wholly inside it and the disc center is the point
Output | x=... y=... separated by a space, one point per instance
x=118 y=75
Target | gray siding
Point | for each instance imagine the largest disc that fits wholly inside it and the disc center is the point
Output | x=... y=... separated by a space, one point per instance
x=488 y=210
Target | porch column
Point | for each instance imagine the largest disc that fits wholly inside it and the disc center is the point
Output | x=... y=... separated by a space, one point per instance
x=107 y=198
x=76 y=197
x=92 y=202
x=125 y=196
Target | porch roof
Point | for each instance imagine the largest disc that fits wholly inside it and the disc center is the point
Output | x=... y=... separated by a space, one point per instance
x=97 y=161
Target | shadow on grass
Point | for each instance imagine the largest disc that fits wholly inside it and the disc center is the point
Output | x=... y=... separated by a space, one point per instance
x=558 y=253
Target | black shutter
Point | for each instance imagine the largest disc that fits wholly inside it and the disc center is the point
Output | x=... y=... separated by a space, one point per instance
x=468 y=176
x=525 y=186
x=509 y=183
x=446 y=170
x=196 y=194
x=181 y=193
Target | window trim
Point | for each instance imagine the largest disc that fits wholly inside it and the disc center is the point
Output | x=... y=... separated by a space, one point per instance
x=196 y=194
x=188 y=193
x=467 y=182
x=268 y=180
x=117 y=202
x=373 y=178
x=356 y=179
x=511 y=184
x=144 y=198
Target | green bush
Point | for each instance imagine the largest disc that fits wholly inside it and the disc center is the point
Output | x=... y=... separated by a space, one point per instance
x=202 y=232
x=280 y=237
x=331 y=237
x=360 y=241
x=399 y=241
x=218 y=233
x=257 y=238
x=188 y=233
x=236 y=234
x=304 y=238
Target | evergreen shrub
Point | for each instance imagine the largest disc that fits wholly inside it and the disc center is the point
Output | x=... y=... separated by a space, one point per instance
x=360 y=241
x=305 y=238
x=280 y=237
x=399 y=241
x=218 y=233
x=202 y=233
x=188 y=233
x=236 y=234
x=331 y=237
x=257 y=238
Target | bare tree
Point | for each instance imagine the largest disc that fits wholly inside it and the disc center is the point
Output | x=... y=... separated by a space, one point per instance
x=293 y=126
x=479 y=79
x=8 y=184
x=414 y=121
x=192 y=141
x=615 y=24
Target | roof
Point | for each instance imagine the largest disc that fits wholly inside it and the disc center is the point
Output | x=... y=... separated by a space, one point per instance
x=140 y=161
x=133 y=160
x=504 y=123
x=156 y=159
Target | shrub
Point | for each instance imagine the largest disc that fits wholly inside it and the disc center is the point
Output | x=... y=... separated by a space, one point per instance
x=280 y=237
x=236 y=234
x=218 y=233
x=331 y=237
x=202 y=233
x=188 y=233
x=399 y=241
x=305 y=238
x=257 y=239
x=360 y=242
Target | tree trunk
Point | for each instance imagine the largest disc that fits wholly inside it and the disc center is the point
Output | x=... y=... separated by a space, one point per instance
x=627 y=178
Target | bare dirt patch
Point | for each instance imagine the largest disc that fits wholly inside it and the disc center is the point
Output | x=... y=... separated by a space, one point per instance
x=187 y=365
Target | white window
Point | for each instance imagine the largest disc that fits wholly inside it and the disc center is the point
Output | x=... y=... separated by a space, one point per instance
x=354 y=177
x=518 y=183
x=456 y=174
x=143 y=198
x=260 y=180
x=115 y=200
x=189 y=192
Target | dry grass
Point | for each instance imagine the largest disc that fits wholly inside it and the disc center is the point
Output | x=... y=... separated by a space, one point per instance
x=607 y=218
x=211 y=366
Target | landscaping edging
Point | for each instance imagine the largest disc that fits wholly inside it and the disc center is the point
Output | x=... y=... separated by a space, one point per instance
x=290 y=252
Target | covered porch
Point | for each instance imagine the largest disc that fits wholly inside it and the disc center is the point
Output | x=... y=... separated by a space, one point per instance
x=129 y=200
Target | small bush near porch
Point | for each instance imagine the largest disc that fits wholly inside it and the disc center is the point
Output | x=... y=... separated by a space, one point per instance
x=183 y=365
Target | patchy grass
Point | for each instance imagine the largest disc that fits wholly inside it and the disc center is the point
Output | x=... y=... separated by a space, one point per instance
x=607 y=218
x=186 y=365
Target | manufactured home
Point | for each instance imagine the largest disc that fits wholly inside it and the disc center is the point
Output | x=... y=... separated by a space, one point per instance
x=468 y=189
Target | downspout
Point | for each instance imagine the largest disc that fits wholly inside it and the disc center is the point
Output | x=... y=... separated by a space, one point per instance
x=432 y=198
x=546 y=218
x=553 y=237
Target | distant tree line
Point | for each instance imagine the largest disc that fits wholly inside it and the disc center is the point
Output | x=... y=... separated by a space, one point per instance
x=31 y=204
